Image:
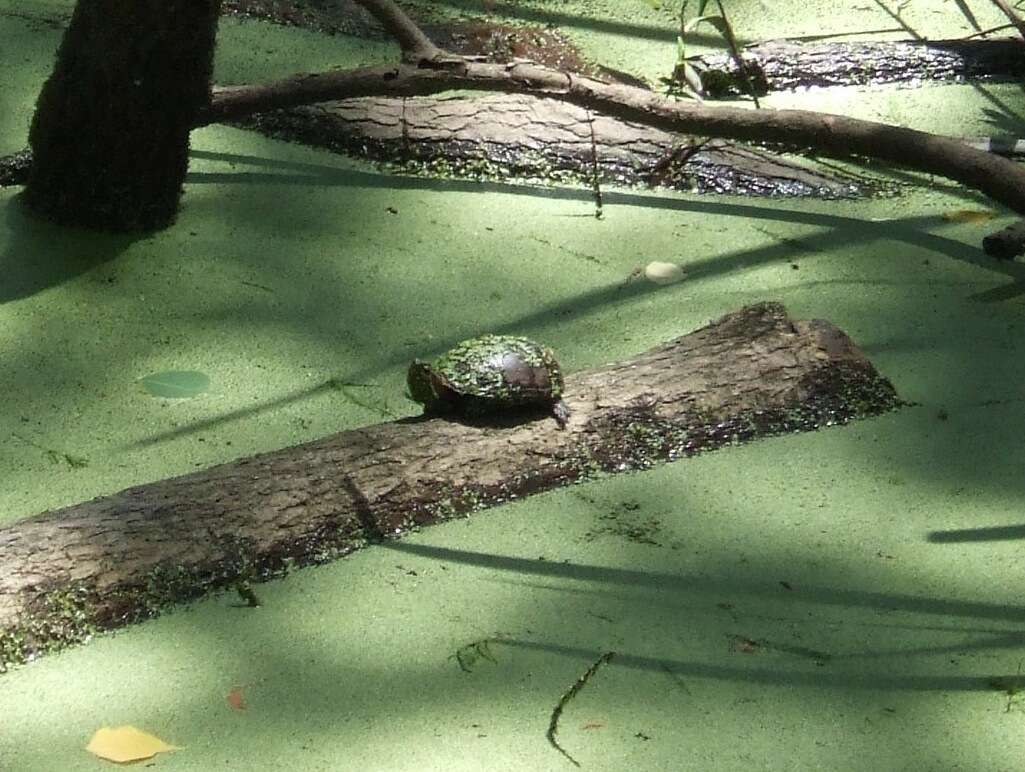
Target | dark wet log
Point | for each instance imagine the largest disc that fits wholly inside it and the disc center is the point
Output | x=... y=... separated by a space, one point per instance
x=520 y=136
x=116 y=559
x=829 y=135
x=785 y=65
x=1006 y=244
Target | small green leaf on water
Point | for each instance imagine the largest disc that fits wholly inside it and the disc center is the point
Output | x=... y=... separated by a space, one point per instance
x=176 y=384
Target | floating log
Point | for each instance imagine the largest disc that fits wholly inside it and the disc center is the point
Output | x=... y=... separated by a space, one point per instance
x=113 y=560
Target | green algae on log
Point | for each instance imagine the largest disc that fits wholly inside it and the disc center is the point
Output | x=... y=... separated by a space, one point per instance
x=67 y=574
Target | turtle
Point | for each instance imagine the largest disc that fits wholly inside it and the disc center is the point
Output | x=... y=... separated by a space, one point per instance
x=490 y=374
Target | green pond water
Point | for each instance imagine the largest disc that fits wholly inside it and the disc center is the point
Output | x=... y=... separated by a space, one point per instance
x=829 y=600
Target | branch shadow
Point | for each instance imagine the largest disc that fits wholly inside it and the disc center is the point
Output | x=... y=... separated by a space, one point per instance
x=836 y=228
x=772 y=677
x=992 y=533
x=821 y=676
x=829 y=596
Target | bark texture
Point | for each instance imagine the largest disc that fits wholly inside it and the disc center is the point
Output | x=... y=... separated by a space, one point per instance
x=111 y=128
x=1006 y=244
x=830 y=135
x=116 y=559
x=786 y=65
x=522 y=136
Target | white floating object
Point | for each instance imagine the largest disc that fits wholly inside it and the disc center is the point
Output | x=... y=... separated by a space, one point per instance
x=663 y=273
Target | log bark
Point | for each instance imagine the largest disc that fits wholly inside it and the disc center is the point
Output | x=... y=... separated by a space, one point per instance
x=426 y=70
x=524 y=137
x=1006 y=244
x=787 y=65
x=107 y=562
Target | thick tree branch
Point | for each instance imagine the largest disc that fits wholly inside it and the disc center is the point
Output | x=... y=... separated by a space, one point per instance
x=832 y=135
x=414 y=43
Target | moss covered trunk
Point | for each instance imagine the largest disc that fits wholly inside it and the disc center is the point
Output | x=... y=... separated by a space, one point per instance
x=111 y=128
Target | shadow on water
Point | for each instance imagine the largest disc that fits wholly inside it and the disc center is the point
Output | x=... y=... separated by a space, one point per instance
x=240 y=414
x=39 y=254
x=994 y=533
x=845 y=230
x=678 y=583
x=789 y=677
x=836 y=228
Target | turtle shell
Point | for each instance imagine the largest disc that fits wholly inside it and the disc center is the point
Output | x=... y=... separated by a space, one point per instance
x=488 y=374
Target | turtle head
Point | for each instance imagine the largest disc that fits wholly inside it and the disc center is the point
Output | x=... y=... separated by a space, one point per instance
x=419 y=383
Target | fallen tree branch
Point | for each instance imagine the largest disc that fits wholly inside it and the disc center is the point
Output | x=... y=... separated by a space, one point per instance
x=414 y=43
x=113 y=560
x=832 y=135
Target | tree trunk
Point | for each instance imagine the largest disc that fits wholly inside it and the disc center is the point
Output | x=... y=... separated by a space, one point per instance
x=110 y=132
x=116 y=559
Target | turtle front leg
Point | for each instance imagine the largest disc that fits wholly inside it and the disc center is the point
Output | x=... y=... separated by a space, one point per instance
x=560 y=412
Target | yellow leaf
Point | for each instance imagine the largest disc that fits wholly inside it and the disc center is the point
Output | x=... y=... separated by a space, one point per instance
x=969 y=215
x=126 y=743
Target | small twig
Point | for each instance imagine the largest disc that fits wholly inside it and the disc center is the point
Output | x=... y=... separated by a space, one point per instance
x=569 y=694
x=594 y=168
x=1011 y=16
x=414 y=43
x=731 y=41
x=983 y=32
